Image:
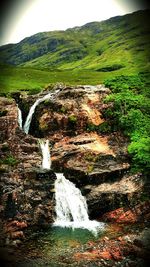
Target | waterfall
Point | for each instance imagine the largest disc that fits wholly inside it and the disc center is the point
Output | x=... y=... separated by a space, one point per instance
x=71 y=207
x=46 y=161
x=19 y=118
x=33 y=107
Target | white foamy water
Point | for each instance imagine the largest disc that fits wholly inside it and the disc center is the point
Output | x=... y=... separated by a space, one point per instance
x=71 y=207
x=46 y=160
x=19 y=118
x=33 y=107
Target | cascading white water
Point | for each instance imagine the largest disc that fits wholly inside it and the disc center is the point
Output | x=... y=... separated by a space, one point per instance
x=71 y=207
x=19 y=118
x=46 y=160
x=33 y=107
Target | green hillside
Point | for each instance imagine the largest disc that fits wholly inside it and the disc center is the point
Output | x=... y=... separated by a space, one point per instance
x=81 y=55
x=14 y=78
x=119 y=42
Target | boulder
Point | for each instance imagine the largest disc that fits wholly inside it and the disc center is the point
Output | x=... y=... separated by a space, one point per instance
x=125 y=192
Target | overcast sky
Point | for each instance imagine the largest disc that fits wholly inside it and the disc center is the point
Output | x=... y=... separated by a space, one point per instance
x=22 y=18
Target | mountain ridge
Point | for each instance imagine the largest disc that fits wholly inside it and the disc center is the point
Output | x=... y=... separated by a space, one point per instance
x=95 y=45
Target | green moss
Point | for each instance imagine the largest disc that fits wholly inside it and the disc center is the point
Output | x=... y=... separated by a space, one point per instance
x=102 y=128
x=90 y=168
x=72 y=119
x=63 y=110
x=90 y=157
x=9 y=160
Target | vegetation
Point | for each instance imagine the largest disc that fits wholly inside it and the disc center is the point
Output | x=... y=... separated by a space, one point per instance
x=81 y=55
x=102 y=128
x=9 y=160
x=13 y=79
x=72 y=119
x=130 y=113
x=102 y=46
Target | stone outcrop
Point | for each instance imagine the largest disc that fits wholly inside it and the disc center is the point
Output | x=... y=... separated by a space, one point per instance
x=109 y=195
x=139 y=213
x=26 y=191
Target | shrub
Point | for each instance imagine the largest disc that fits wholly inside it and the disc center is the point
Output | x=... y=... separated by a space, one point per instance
x=122 y=82
x=140 y=151
x=130 y=112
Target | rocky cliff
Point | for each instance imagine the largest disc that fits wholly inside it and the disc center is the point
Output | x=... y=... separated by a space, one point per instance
x=82 y=146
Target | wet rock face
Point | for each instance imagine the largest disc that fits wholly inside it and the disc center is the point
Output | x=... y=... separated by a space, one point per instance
x=26 y=191
x=71 y=112
x=124 y=192
x=28 y=199
x=8 y=118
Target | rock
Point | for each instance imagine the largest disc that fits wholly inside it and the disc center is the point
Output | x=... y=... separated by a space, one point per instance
x=17 y=235
x=111 y=195
x=122 y=215
x=143 y=240
x=88 y=154
x=71 y=112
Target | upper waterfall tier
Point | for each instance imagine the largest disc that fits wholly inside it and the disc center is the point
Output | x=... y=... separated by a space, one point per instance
x=33 y=107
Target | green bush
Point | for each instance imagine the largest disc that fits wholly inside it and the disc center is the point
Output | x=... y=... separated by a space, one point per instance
x=122 y=82
x=130 y=113
x=140 y=151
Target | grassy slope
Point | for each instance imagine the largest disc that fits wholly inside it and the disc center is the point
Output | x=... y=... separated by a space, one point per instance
x=33 y=80
x=81 y=55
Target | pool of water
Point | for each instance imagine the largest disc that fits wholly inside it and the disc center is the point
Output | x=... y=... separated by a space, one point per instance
x=56 y=247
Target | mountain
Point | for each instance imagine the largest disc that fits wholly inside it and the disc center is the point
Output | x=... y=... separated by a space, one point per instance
x=119 y=43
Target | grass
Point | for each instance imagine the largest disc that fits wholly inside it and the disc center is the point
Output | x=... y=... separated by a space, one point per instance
x=82 y=55
x=14 y=79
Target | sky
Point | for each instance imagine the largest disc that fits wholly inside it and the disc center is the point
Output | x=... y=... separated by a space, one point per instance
x=23 y=18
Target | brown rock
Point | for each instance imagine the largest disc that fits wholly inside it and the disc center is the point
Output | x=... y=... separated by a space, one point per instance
x=122 y=215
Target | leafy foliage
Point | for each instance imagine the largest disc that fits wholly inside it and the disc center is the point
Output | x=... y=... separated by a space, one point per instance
x=130 y=112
